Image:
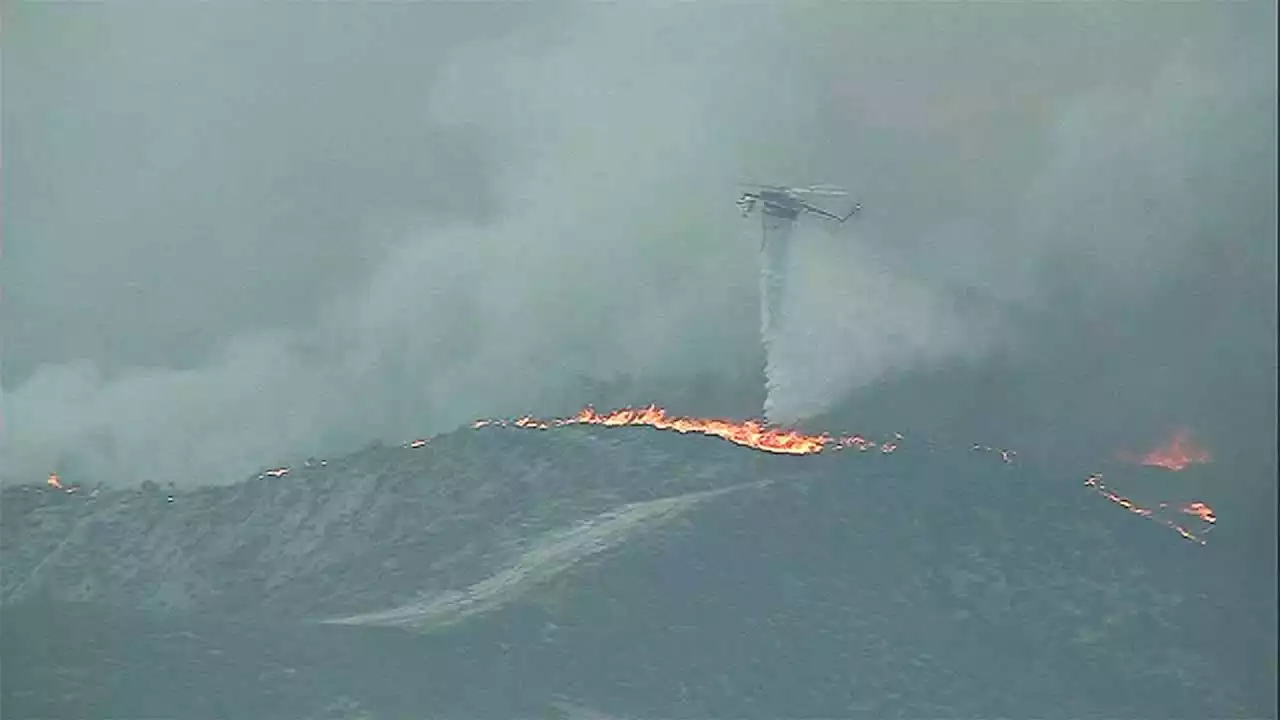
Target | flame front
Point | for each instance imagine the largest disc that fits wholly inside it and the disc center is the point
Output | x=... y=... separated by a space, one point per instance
x=1199 y=509
x=1177 y=454
x=1202 y=511
x=748 y=433
x=753 y=434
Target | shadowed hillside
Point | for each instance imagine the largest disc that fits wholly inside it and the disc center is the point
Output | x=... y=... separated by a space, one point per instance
x=503 y=572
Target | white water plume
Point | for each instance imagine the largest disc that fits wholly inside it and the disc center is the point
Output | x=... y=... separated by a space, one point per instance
x=773 y=271
x=774 y=255
x=836 y=318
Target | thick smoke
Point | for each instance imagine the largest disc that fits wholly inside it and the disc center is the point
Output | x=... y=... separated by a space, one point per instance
x=848 y=320
x=315 y=226
x=609 y=223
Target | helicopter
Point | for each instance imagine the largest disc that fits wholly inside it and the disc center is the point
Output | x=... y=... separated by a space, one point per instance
x=786 y=203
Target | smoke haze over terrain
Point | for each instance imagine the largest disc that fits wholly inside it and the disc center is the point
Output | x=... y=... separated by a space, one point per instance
x=240 y=235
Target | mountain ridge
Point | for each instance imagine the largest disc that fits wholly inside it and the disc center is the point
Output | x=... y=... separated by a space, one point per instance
x=929 y=581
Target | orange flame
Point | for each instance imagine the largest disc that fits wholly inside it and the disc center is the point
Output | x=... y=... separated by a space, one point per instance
x=1202 y=511
x=1199 y=509
x=748 y=433
x=1177 y=454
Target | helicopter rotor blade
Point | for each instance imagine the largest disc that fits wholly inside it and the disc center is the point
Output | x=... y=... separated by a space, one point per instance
x=821 y=190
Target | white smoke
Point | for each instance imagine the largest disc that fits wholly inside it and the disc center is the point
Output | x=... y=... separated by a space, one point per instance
x=551 y=201
x=848 y=317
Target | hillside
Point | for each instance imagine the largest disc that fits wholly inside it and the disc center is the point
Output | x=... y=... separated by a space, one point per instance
x=506 y=572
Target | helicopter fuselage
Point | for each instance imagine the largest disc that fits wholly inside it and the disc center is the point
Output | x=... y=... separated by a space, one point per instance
x=780 y=204
x=785 y=203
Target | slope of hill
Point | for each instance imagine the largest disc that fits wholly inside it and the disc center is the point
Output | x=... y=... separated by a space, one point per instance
x=503 y=572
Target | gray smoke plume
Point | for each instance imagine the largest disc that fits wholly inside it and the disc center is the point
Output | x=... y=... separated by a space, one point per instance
x=316 y=225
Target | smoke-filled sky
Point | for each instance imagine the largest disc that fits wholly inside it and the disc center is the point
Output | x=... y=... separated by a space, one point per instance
x=239 y=235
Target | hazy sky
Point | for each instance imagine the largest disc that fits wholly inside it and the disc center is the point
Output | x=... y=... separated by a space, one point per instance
x=237 y=235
